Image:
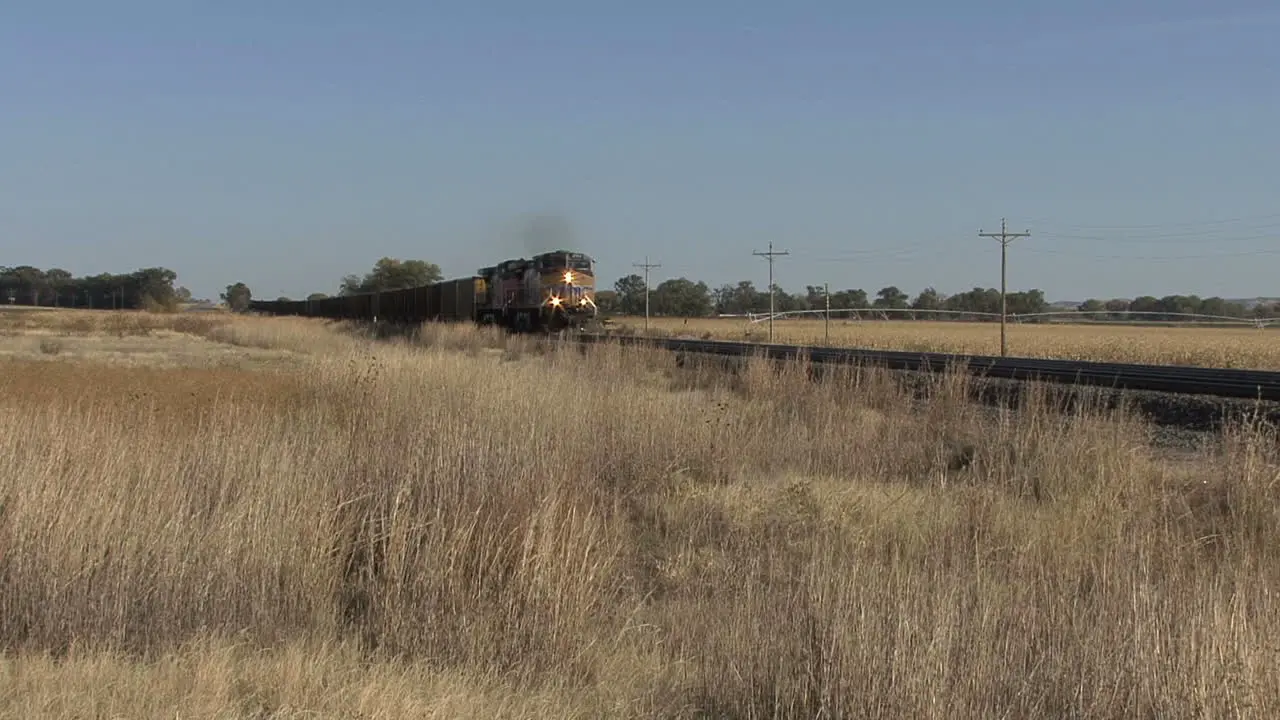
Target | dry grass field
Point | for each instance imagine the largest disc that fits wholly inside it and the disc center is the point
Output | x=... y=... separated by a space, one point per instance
x=206 y=516
x=1227 y=347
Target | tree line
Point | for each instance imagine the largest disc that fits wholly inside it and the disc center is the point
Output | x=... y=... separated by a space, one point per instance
x=681 y=297
x=153 y=288
x=386 y=274
x=146 y=288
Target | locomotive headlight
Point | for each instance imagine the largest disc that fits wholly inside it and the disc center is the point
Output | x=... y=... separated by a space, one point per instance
x=568 y=276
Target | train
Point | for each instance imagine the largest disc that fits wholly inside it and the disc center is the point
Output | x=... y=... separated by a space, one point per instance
x=550 y=291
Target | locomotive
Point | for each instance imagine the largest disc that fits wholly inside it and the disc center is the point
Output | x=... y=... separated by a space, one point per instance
x=550 y=291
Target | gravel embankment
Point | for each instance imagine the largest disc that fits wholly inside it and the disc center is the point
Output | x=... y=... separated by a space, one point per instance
x=1179 y=423
x=1179 y=420
x=1198 y=413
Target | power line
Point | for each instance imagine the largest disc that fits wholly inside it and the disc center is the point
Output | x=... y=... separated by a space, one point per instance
x=1155 y=258
x=858 y=253
x=884 y=257
x=771 y=255
x=647 y=266
x=1255 y=232
x=1005 y=238
x=1264 y=219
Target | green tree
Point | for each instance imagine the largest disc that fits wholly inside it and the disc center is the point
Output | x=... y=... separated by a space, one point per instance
x=237 y=297
x=784 y=301
x=681 y=297
x=977 y=300
x=153 y=288
x=1117 y=308
x=891 y=297
x=815 y=297
x=739 y=299
x=607 y=302
x=928 y=300
x=1222 y=308
x=630 y=295
x=1026 y=302
x=854 y=299
x=26 y=285
x=59 y=282
x=1145 y=304
x=392 y=274
x=1092 y=308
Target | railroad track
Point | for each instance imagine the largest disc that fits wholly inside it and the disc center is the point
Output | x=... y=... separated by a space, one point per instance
x=1178 y=380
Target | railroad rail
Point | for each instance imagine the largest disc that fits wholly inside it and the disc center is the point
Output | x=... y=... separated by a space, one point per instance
x=1175 y=379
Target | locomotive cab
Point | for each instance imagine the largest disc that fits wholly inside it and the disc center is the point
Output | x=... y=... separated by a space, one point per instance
x=551 y=290
x=568 y=287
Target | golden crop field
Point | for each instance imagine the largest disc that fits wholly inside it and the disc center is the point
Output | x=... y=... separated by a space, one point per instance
x=1227 y=347
x=217 y=516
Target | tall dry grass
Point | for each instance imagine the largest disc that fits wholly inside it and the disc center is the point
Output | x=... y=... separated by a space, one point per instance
x=455 y=527
x=1225 y=347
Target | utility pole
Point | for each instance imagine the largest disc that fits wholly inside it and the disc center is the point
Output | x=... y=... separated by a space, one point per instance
x=647 y=267
x=1005 y=238
x=770 y=255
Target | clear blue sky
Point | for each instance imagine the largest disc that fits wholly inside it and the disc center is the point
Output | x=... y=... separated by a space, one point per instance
x=285 y=144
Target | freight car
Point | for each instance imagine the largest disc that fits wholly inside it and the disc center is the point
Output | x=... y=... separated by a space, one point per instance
x=550 y=291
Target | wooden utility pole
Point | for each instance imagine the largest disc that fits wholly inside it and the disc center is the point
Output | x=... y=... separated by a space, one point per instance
x=771 y=255
x=1005 y=238
x=647 y=267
